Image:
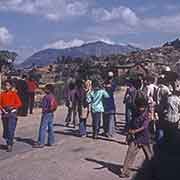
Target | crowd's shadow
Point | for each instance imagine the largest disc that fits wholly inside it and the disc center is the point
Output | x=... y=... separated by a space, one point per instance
x=59 y=125
x=113 y=168
x=111 y=140
x=165 y=164
x=75 y=133
x=70 y=132
x=3 y=147
x=28 y=141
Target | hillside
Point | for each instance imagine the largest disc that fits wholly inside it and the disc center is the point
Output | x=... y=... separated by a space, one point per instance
x=98 y=49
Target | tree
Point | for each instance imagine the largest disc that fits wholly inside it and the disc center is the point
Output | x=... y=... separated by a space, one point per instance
x=7 y=59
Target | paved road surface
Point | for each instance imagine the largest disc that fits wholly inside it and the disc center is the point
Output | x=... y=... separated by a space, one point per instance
x=72 y=158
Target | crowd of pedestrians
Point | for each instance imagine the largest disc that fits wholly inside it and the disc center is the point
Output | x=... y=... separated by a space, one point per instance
x=85 y=97
x=151 y=104
x=152 y=116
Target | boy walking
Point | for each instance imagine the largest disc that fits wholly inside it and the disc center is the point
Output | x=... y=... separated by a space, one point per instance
x=139 y=133
x=49 y=105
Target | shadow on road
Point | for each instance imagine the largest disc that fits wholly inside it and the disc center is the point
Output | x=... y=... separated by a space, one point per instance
x=114 y=168
x=59 y=125
x=3 y=147
x=26 y=140
x=111 y=140
x=69 y=132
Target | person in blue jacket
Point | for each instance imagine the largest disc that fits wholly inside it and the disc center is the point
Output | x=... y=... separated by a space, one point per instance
x=109 y=107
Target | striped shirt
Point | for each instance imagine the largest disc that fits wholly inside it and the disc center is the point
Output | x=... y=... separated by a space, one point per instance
x=173 y=108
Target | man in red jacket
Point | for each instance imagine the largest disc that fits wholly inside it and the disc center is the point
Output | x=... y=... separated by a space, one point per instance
x=9 y=104
x=32 y=86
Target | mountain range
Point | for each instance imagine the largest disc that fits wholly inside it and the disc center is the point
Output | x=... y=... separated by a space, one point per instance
x=98 y=48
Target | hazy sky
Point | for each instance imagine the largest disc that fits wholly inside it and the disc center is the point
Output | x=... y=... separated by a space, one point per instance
x=31 y=25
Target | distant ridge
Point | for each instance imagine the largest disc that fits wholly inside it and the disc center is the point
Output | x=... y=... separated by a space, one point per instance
x=98 y=48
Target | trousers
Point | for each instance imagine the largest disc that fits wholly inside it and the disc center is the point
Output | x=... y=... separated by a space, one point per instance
x=133 y=150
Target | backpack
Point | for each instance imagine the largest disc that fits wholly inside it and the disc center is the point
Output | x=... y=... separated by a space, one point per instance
x=54 y=104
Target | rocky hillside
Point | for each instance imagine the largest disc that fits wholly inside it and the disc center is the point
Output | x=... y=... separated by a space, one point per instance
x=98 y=49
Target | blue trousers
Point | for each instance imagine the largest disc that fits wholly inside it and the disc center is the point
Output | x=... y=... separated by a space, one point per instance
x=82 y=127
x=96 y=122
x=9 y=126
x=46 y=123
x=109 y=122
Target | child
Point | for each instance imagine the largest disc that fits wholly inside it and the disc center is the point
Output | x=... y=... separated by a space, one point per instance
x=9 y=104
x=140 y=138
x=49 y=105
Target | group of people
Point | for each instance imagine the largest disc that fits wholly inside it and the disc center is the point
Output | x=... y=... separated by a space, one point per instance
x=152 y=116
x=80 y=95
x=100 y=96
x=152 y=106
x=16 y=99
x=25 y=86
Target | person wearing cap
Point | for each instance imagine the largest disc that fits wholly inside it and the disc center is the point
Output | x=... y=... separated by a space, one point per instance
x=9 y=104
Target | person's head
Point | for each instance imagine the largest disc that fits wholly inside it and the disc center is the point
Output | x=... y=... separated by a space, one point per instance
x=163 y=80
x=24 y=76
x=8 y=78
x=88 y=84
x=141 y=105
x=71 y=85
x=8 y=85
x=79 y=83
x=148 y=80
x=49 y=88
x=141 y=108
x=96 y=85
x=110 y=75
x=31 y=78
x=176 y=88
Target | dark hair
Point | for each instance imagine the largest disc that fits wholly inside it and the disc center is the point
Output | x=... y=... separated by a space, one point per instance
x=141 y=102
x=31 y=78
x=137 y=83
x=150 y=79
x=8 y=81
x=24 y=76
x=96 y=84
x=71 y=85
x=162 y=80
x=50 y=88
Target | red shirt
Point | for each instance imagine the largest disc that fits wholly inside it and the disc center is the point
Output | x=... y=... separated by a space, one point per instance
x=10 y=98
x=32 y=86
